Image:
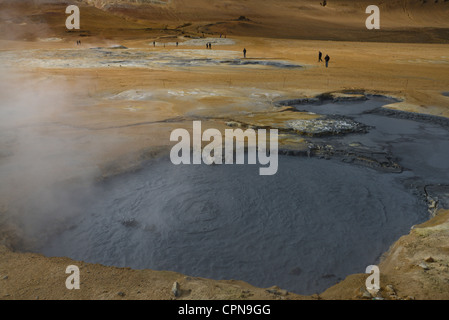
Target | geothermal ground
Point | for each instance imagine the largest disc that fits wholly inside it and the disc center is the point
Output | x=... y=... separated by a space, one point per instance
x=86 y=177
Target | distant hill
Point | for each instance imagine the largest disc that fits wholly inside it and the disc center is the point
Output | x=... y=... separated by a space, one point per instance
x=401 y=20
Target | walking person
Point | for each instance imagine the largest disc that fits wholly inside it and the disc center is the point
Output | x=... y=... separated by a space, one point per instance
x=327 y=58
x=244 y=53
x=320 y=56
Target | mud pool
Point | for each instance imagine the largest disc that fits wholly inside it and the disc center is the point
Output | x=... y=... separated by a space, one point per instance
x=304 y=229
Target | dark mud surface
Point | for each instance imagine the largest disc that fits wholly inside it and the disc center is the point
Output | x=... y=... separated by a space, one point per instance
x=304 y=229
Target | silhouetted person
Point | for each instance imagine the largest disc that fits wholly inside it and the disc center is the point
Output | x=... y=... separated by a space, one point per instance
x=210 y=45
x=207 y=45
x=154 y=43
x=177 y=43
x=327 y=58
x=244 y=53
x=320 y=56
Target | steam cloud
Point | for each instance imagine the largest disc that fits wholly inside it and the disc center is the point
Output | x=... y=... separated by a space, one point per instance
x=46 y=166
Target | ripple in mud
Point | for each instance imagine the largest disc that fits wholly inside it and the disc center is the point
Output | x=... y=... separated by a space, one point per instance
x=313 y=219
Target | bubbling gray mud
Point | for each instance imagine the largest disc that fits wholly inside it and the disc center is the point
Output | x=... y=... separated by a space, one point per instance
x=304 y=229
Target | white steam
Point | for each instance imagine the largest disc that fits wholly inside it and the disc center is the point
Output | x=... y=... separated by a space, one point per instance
x=46 y=166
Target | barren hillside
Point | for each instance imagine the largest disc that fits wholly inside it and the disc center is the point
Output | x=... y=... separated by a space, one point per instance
x=401 y=21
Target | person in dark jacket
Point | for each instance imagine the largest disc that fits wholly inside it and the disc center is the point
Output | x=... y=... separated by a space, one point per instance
x=327 y=58
x=320 y=56
x=244 y=53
